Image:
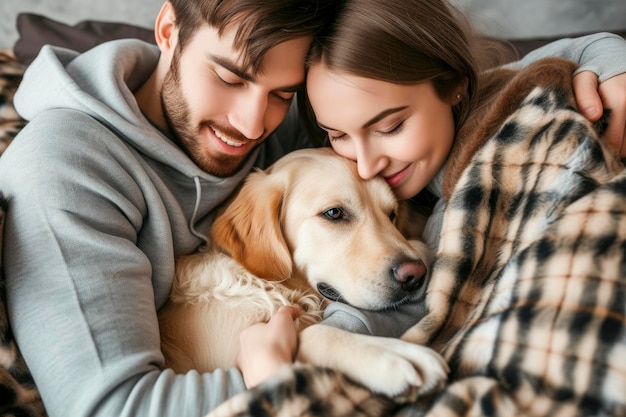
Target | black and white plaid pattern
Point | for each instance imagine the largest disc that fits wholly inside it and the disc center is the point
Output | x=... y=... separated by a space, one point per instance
x=11 y=72
x=18 y=394
x=306 y=390
x=532 y=267
x=527 y=299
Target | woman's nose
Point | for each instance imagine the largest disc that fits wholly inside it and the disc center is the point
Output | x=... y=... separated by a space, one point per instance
x=369 y=163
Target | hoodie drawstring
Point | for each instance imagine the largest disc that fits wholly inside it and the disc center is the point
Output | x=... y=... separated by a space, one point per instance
x=192 y=221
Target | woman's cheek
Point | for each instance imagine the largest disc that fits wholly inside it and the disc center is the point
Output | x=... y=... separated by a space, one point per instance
x=343 y=148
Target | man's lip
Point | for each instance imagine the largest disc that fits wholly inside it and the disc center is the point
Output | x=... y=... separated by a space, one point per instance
x=225 y=147
x=395 y=179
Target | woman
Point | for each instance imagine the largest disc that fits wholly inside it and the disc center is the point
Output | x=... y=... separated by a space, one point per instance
x=391 y=85
x=394 y=84
x=391 y=90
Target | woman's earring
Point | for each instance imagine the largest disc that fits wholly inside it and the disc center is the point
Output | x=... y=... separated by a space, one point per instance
x=458 y=96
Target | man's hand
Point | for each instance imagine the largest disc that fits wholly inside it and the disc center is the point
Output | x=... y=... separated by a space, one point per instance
x=611 y=94
x=265 y=347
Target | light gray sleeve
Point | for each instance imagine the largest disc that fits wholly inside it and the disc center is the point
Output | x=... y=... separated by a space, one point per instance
x=602 y=53
x=80 y=292
x=389 y=323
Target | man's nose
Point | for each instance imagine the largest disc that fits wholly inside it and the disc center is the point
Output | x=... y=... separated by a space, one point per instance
x=249 y=116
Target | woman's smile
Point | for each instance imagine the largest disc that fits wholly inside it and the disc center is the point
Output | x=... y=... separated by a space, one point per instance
x=394 y=179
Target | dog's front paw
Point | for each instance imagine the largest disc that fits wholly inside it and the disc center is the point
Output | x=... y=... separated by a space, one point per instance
x=384 y=365
x=397 y=368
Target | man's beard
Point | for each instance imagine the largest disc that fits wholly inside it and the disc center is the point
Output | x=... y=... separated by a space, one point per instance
x=177 y=116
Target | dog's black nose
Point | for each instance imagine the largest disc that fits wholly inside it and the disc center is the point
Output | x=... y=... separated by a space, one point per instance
x=409 y=274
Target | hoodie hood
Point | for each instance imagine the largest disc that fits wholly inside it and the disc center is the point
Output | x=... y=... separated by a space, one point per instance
x=101 y=83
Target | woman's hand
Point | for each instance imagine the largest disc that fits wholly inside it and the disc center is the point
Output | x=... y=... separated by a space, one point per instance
x=265 y=347
x=611 y=94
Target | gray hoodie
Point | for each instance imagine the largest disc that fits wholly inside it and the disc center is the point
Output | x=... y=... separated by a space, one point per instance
x=101 y=202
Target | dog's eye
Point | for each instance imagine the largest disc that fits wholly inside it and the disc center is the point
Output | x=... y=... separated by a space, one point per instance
x=392 y=216
x=335 y=213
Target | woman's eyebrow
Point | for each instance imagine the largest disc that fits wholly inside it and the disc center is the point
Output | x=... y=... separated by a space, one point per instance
x=374 y=119
x=382 y=115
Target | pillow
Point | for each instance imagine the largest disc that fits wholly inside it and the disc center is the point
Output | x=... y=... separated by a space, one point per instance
x=36 y=31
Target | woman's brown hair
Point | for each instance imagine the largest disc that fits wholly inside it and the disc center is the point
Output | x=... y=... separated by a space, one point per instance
x=406 y=42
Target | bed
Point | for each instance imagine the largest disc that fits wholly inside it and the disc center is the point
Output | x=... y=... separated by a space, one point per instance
x=512 y=329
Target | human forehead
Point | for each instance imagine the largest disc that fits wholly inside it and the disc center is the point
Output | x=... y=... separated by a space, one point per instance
x=339 y=98
x=211 y=42
x=321 y=77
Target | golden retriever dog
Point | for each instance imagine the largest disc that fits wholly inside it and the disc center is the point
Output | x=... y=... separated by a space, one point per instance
x=304 y=231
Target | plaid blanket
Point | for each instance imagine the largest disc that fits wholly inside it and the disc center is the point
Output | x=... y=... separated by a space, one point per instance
x=11 y=123
x=18 y=395
x=527 y=296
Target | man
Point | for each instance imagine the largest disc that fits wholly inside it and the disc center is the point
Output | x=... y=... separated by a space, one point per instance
x=129 y=150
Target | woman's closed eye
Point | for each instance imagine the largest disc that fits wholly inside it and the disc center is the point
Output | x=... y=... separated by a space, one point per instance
x=391 y=131
x=336 y=136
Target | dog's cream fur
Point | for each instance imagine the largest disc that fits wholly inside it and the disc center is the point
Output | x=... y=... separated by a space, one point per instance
x=308 y=219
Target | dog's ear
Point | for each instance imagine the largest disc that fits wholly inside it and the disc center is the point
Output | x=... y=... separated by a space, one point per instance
x=249 y=228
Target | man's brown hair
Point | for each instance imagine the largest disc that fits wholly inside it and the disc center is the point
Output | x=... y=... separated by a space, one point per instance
x=260 y=24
